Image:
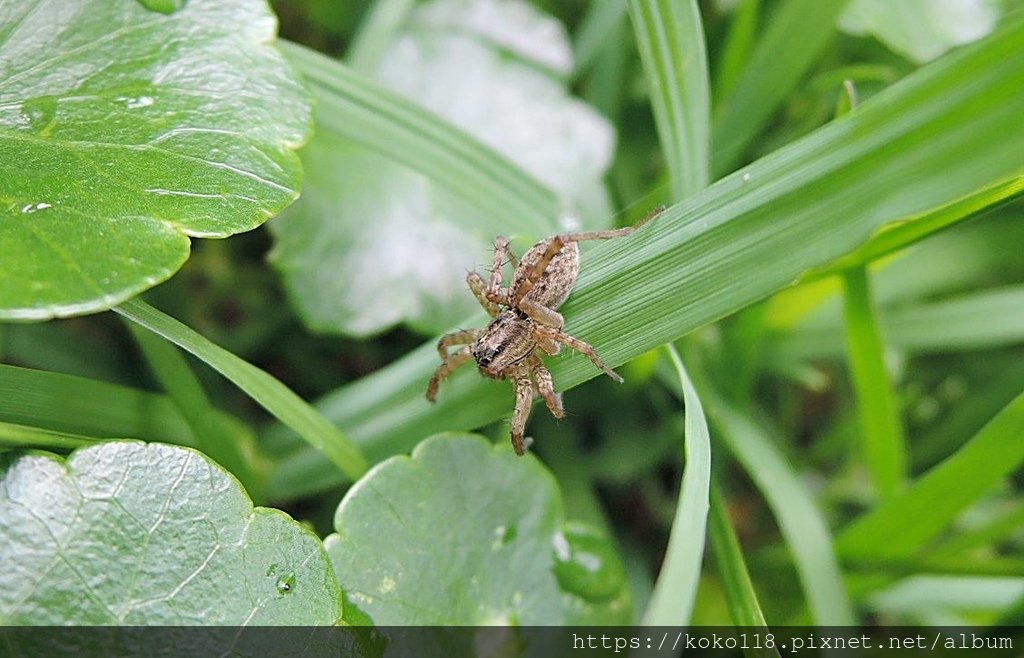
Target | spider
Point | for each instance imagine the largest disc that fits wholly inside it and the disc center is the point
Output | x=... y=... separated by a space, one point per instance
x=525 y=317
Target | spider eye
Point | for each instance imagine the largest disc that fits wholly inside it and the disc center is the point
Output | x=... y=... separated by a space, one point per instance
x=484 y=360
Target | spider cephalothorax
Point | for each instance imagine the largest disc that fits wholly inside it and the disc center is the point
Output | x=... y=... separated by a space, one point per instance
x=525 y=318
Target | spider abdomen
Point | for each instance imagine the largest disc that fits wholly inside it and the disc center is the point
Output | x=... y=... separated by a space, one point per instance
x=552 y=287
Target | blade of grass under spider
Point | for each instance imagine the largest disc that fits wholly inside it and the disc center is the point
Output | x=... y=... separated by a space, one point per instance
x=881 y=429
x=797 y=32
x=739 y=590
x=676 y=588
x=352 y=106
x=893 y=238
x=670 y=38
x=799 y=520
x=213 y=437
x=77 y=405
x=264 y=389
x=905 y=524
x=946 y=131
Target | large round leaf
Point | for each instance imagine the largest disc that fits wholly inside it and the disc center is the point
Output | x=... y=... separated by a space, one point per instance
x=130 y=533
x=465 y=534
x=124 y=131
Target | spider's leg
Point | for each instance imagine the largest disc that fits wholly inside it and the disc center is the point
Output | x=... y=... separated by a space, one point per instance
x=542 y=314
x=460 y=337
x=446 y=368
x=524 y=400
x=494 y=292
x=546 y=387
x=653 y=213
x=479 y=288
x=583 y=348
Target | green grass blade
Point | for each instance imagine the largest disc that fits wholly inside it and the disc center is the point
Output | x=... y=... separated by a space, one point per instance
x=947 y=130
x=739 y=590
x=897 y=236
x=736 y=49
x=78 y=405
x=604 y=86
x=267 y=391
x=946 y=325
x=213 y=437
x=1000 y=528
x=22 y=436
x=882 y=439
x=676 y=589
x=952 y=324
x=800 y=522
x=670 y=37
x=596 y=32
x=904 y=525
x=376 y=32
x=797 y=32
x=360 y=110
x=56 y=346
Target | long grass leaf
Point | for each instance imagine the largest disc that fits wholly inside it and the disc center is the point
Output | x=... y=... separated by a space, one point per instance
x=904 y=525
x=797 y=32
x=22 y=436
x=595 y=33
x=376 y=32
x=267 y=391
x=67 y=403
x=800 y=522
x=881 y=429
x=670 y=37
x=676 y=589
x=212 y=436
x=896 y=236
x=735 y=49
x=739 y=589
x=946 y=325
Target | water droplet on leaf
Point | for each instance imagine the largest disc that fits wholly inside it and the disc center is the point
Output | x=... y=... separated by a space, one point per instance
x=586 y=563
x=39 y=113
x=286 y=584
x=139 y=101
x=503 y=535
x=35 y=207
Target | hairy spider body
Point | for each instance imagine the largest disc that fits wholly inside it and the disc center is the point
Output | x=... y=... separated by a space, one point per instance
x=525 y=322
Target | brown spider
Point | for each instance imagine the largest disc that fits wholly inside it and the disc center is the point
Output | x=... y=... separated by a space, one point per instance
x=525 y=318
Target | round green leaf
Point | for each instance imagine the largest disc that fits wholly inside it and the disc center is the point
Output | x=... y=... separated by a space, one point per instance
x=465 y=534
x=124 y=131
x=149 y=534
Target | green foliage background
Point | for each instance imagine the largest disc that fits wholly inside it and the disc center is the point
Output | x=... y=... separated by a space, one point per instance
x=822 y=335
